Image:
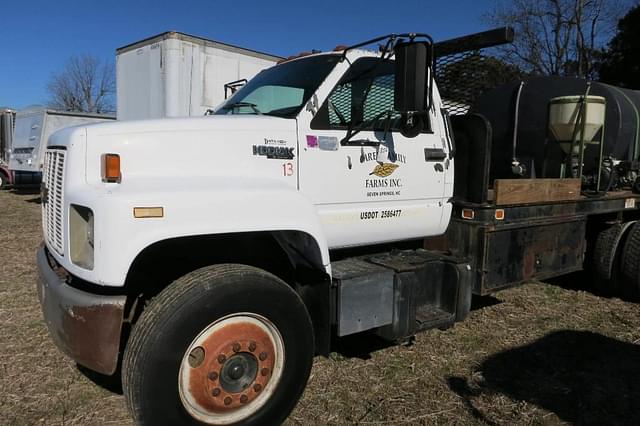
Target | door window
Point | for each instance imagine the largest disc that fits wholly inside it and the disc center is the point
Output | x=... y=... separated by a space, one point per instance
x=364 y=95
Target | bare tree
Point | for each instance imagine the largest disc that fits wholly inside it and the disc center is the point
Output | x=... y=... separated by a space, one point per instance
x=85 y=84
x=558 y=37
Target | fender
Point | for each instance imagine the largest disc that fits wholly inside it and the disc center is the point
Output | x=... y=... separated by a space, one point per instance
x=191 y=207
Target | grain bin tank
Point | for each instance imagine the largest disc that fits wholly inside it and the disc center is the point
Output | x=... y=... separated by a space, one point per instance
x=519 y=117
x=566 y=122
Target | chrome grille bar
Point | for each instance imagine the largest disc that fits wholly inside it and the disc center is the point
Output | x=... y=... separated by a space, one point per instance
x=53 y=199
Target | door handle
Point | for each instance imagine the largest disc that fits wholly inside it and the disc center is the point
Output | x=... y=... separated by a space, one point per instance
x=434 y=154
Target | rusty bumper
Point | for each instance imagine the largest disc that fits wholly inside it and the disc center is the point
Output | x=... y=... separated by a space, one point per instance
x=85 y=326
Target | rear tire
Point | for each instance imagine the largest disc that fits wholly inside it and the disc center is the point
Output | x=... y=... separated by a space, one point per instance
x=606 y=258
x=225 y=344
x=630 y=266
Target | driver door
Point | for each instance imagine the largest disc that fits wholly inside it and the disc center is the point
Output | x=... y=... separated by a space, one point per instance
x=380 y=186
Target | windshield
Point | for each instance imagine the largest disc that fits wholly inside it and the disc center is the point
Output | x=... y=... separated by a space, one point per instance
x=281 y=90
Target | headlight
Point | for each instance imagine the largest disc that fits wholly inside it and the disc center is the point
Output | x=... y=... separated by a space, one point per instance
x=81 y=236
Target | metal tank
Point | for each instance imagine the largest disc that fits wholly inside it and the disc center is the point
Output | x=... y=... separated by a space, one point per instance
x=523 y=144
x=7 y=121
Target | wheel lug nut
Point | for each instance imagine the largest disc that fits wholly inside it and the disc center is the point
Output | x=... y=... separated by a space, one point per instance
x=257 y=387
x=264 y=371
x=244 y=399
x=213 y=376
x=227 y=400
x=215 y=392
x=236 y=347
x=221 y=358
x=263 y=356
x=252 y=346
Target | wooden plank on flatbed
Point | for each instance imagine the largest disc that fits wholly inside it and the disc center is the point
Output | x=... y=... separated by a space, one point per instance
x=529 y=191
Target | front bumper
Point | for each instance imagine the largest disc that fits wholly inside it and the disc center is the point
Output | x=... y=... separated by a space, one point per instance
x=85 y=326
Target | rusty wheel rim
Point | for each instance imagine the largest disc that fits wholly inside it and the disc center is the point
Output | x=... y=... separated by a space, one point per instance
x=231 y=369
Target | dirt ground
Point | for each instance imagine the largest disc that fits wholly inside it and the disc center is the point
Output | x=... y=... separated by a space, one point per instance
x=538 y=354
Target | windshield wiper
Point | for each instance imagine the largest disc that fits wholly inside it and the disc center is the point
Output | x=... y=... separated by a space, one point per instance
x=241 y=104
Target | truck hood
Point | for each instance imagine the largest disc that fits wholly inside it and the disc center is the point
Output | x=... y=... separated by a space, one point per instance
x=204 y=123
x=208 y=147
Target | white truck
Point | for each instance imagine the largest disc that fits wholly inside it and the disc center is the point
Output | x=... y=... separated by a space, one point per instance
x=209 y=282
x=32 y=129
x=179 y=75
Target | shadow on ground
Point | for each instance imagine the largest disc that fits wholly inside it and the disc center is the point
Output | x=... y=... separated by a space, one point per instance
x=582 y=377
x=110 y=383
x=26 y=190
x=35 y=200
x=481 y=302
x=362 y=345
x=575 y=281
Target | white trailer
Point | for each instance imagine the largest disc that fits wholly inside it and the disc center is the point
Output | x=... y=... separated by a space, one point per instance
x=179 y=75
x=32 y=130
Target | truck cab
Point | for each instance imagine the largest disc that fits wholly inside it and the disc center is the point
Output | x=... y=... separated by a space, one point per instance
x=241 y=243
x=377 y=186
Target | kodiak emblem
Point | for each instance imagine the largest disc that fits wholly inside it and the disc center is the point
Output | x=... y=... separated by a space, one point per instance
x=274 y=152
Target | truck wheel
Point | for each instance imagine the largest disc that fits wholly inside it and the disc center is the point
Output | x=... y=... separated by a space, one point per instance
x=606 y=255
x=630 y=283
x=3 y=181
x=222 y=345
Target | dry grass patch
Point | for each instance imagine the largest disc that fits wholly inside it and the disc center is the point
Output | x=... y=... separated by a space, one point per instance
x=538 y=354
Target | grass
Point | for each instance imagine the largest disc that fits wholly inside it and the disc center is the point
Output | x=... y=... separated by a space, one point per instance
x=537 y=354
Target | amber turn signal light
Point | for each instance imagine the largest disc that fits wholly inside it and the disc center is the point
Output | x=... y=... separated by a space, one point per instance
x=111 y=168
x=468 y=214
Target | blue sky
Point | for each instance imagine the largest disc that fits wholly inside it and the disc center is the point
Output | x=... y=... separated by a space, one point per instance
x=38 y=36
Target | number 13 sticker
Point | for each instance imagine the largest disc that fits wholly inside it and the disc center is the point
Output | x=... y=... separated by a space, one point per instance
x=287 y=169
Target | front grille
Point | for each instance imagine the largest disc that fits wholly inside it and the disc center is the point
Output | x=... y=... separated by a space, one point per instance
x=53 y=199
x=22 y=150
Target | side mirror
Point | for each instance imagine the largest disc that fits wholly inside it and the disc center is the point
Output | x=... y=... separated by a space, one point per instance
x=413 y=61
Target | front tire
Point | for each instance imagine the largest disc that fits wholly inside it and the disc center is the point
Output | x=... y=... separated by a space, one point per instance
x=225 y=344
